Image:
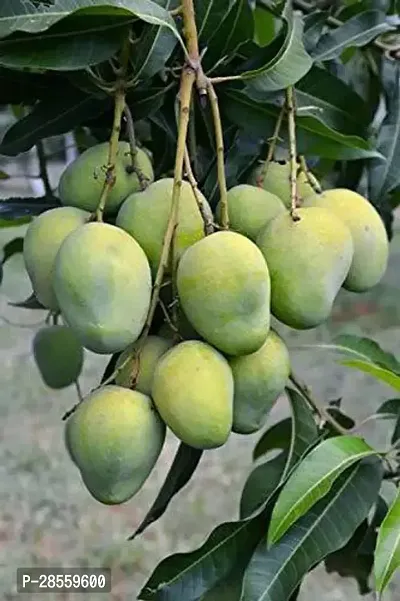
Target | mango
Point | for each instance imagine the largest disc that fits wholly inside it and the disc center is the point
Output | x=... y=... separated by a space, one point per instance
x=145 y=216
x=102 y=281
x=58 y=355
x=250 y=209
x=153 y=349
x=371 y=244
x=82 y=182
x=277 y=181
x=259 y=379
x=224 y=288
x=193 y=392
x=43 y=239
x=308 y=262
x=114 y=437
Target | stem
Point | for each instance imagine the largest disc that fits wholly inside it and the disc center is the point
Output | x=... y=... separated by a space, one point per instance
x=216 y=80
x=292 y=151
x=207 y=219
x=43 y=174
x=312 y=180
x=134 y=167
x=192 y=142
x=79 y=391
x=219 y=141
x=318 y=406
x=271 y=148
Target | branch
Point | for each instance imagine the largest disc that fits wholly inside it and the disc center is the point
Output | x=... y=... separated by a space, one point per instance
x=271 y=148
x=43 y=174
x=134 y=167
x=207 y=219
x=292 y=151
x=312 y=180
x=318 y=406
x=219 y=142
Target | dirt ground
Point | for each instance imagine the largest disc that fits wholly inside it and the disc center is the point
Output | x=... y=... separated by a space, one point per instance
x=47 y=518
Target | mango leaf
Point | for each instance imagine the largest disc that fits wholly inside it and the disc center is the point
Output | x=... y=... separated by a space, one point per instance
x=313 y=479
x=274 y=573
x=276 y=437
x=223 y=26
x=357 y=31
x=19 y=86
x=314 y=25
x=29 y=303
x=391 y=408
x=23 y=15
x=261 y=484
x=9 y=250
x=289 y=64
x=264 y=26
x=56 y=115
x=385 y=177
x=387 y=553
x=379 y=373
x=3 y=175
x=185 y=462
x=190 y=575
x=14 y=222
x=16 y=208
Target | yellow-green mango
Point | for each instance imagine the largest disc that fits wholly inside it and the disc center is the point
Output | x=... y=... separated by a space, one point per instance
x=58 y=355
x=43 y=239
x=250 y=208
x=193 y=392
x=224 y=289
x=259 y=379
x=102 y=281
x=153 y=349
x=82 y=182
x=277 y=181
x=371 y=244
x=308 y=262
x=145 y=215
x=114 y=437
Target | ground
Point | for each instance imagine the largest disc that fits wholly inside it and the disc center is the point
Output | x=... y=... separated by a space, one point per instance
x=47 y=518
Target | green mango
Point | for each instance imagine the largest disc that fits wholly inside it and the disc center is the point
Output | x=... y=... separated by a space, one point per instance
x=58 y=355
x=277 y=181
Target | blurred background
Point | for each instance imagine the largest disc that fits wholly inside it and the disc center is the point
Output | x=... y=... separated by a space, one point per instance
x=47 y=518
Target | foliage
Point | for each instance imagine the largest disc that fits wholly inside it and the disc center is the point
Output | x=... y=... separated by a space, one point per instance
x=313 y=475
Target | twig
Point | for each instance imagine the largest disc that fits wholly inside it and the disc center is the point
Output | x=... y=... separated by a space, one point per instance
x=207 y=219
x=78 y=390
x=292 y=151
x=319 y=407
x=192 y=142
x=43 y=174
x=219 y=142
x=312 y=180
x=271 y=148
x=134 y=167
x=216 y=80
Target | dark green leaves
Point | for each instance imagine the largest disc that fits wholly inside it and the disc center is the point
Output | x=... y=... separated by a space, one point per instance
x=10 y=249
x=185 y=462
x=16 y=208
x=357 y=31
x=274 y=573
x=387 y=554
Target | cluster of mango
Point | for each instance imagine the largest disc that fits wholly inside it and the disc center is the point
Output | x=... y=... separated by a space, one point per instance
x=227 y=366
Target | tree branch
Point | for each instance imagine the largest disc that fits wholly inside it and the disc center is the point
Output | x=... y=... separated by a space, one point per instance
x=290 y=107
x=219 y=142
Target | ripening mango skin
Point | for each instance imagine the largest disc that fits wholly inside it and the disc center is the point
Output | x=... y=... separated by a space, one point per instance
x=58 y=355
x=259 y=379
x=102 y=281
x=250 y=208
x=308 y=262
x=152 y=351
x=193 y=392
x=145 y=215
x=82 y=182
x=277 y=181
x=371 y=244
x=224 y=288
x=115 y=437
x=42 y=241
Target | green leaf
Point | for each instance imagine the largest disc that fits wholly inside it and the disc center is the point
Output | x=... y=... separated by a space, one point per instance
x=185 y=462
x=51 y=117
x=275 y=572
x=22 y=15
x=264 y=26
x=4 y=175
x=276 y=437
x=29 y=303
x=262 y=483
x=385 y=177
x=10 y=249
x=387 y=554
x=19 y=86
x=14 y=222
x=304 y=429
x=188 y=576
x=357 y=31
x=391 y=408
x=17 y=208
x=313 y=479
x=288 y=65
x=314 y=25
x=379 y=373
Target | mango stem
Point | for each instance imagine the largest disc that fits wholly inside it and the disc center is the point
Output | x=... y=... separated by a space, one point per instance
x=290 y=107
x=272 y=141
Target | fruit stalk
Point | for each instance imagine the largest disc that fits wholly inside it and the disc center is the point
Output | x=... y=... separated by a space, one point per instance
x=208 y=225
x=271 y=147
x=143 y=181
x=312 y=180
x=44 y=176
x=290 y=107
x=219 y=140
